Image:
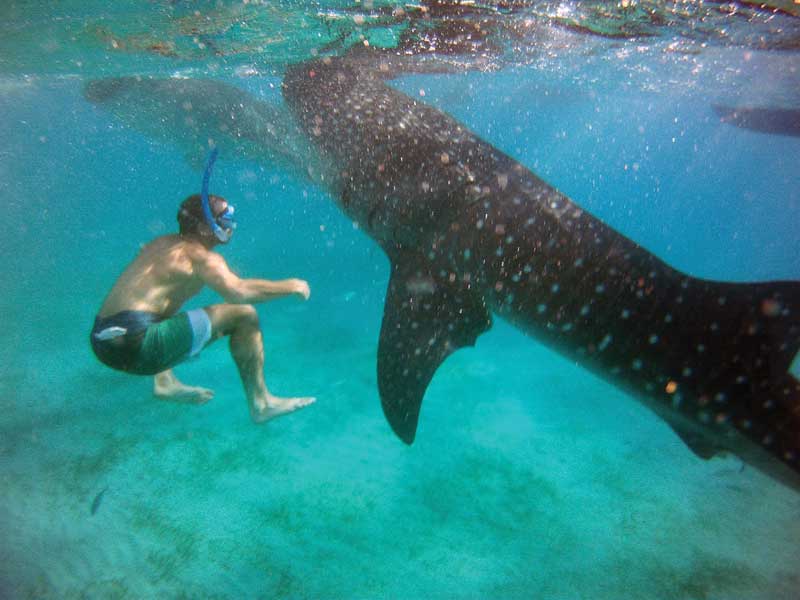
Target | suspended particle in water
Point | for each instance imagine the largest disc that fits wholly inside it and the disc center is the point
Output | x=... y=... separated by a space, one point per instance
x=770 y=308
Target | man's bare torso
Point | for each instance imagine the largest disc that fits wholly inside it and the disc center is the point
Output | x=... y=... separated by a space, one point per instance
x=159 y=280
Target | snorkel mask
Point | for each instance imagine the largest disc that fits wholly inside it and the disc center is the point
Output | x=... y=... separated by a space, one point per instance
x=224 y=224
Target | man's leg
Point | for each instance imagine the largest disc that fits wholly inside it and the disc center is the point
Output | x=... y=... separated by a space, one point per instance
x=168 y=387
x=240 y=322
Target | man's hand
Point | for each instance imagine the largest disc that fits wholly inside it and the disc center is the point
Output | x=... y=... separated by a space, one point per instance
x=301 y=288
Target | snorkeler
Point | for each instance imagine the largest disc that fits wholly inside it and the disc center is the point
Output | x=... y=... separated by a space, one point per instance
x=139 y=330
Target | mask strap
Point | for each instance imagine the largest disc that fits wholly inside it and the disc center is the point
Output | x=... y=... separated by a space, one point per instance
x=221 y=235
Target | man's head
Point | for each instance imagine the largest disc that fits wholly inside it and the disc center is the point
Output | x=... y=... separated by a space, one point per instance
x=192 y=220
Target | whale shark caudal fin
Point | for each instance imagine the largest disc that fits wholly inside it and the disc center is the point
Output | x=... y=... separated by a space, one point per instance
x=427 y=316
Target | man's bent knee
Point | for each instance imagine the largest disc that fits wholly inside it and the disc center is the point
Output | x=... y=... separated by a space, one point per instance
x=226 y=318
x=248 y=315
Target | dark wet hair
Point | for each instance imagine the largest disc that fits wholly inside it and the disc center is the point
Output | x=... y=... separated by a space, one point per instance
x=192 y=221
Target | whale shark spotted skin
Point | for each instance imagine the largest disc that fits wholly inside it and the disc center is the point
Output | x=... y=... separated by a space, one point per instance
x=471 y=233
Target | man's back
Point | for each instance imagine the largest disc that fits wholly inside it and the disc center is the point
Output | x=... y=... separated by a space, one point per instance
x=159 y=280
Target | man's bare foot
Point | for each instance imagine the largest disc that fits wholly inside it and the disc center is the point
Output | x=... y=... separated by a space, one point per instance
x=276 y=407
x=168 y=387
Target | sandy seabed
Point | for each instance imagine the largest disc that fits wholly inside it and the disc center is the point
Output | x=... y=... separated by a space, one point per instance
x=529 y=479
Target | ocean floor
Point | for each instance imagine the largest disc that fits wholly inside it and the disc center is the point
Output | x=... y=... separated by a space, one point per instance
x=529 y=478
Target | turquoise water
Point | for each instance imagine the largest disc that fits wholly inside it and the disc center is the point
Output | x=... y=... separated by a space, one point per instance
x=530 y=477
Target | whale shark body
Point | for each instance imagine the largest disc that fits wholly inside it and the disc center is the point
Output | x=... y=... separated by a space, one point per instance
x=471 y=234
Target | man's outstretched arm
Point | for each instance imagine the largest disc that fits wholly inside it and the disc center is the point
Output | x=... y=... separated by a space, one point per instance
x=216 y=274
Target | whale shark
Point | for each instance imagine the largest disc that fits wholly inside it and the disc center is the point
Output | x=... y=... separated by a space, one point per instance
x=472 y=235
x=185 y=112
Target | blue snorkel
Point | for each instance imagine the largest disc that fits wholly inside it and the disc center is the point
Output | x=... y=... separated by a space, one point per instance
x=223 y=225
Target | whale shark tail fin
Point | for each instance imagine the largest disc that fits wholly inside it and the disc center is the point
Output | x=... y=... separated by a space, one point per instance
x=427 y=317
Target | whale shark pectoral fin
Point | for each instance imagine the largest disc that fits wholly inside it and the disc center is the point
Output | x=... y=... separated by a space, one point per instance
x=426 y=318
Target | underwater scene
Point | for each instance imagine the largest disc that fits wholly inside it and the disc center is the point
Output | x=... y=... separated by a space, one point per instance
x=536 y=263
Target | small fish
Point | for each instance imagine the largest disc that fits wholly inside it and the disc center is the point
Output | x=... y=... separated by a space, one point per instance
x=97 y=500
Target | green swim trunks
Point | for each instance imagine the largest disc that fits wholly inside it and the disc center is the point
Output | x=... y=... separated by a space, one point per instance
x=145 y=344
